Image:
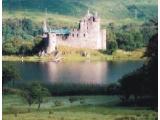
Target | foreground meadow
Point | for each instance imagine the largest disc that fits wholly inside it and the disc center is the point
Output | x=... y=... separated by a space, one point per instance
x=74 y=108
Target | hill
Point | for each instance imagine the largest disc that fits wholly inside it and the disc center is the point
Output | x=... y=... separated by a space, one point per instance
x=67 y=12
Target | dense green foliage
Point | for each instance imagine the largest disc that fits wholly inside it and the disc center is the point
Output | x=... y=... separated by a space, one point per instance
x=130 y=40
x=19 y=36
x=22 y=47
x=144 y=81
x=111 y=47
x=9 y=73
x=20 y=28
x=39 y=92
x=130 y=36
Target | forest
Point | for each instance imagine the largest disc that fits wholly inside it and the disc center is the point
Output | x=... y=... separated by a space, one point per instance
x=23 y=36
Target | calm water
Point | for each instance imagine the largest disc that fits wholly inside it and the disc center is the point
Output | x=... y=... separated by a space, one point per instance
x=78 y=72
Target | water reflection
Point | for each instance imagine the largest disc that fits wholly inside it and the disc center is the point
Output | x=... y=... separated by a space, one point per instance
x=78 y=72
x=87 y=73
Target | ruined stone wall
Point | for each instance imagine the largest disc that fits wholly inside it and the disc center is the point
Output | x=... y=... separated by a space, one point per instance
x=52 y=42
x=104 y=41
x=88 y=35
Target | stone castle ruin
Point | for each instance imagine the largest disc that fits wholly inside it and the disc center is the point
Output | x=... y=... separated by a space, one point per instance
x=88 y=35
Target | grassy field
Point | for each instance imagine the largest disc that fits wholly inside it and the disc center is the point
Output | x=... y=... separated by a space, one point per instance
x=74 y=54
x=70 y=11
x=83 y=108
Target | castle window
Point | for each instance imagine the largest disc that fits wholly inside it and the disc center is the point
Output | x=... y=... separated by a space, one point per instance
x=84 y=35
x=72 y=35
x=77 y=35
x=94 y=19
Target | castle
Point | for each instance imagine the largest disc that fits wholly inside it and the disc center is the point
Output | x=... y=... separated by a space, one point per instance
x=88 y=35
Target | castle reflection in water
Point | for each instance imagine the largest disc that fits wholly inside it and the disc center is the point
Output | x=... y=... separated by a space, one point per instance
x=83 y=73
x=75 y=72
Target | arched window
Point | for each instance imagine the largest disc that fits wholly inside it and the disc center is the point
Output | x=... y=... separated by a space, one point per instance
x=84 y=35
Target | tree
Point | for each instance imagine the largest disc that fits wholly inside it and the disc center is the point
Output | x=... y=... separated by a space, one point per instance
x=22 y=28
x=130 y=40
x=132 y=84
x=9 y=73
x=38 y=92
x=28 y=95
x=27 y=25
x=26 y=48
x=144 y=81
x=39 y=45
x=111 y=47
x=12 y=46
x=149 y=28
x=111 y=36
x=152 y=66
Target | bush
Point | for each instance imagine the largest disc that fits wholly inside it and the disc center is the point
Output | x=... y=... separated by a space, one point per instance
x=9 y=73
x=111 y=47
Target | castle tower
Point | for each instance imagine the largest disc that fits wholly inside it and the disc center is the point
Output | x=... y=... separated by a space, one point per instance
x=97 y=26
x=52 y=42
x=45 y=30
x=93 y=29
x=88 y=35
x=49 y=37
x=88 y=13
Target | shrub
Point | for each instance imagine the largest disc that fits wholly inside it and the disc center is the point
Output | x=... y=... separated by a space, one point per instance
x=111 y=47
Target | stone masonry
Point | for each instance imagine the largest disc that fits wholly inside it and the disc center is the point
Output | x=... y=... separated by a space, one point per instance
x=88 y=35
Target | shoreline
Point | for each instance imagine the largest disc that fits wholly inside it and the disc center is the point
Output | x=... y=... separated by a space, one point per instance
x=119 y=55
x=40 y=59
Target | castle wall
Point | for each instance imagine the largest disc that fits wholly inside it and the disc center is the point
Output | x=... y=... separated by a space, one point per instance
x=79 y=42
x=88 y=35
x=104 y=41
x=52 y=42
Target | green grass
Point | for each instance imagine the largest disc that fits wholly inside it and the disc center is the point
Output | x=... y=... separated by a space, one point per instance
x=68 y=12
x=74 y=54
x=93 y=108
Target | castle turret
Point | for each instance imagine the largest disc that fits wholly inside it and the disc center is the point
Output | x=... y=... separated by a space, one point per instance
x=52 y=42
x=49 y=38
x=88 y=13
x=45 y=30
